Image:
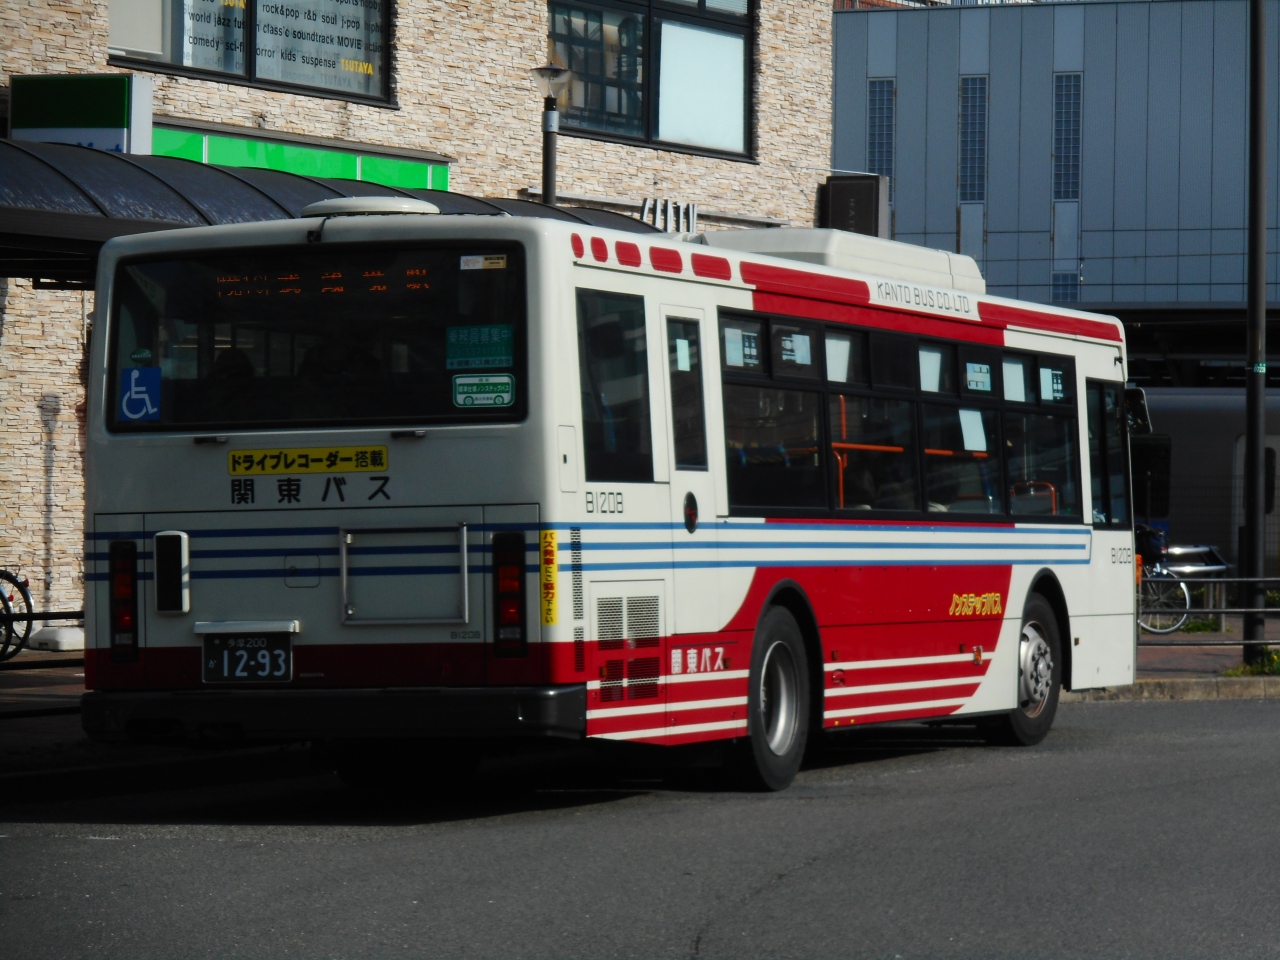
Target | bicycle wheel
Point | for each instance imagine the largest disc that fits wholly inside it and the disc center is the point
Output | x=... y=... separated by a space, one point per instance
x=1163 y=603
x=8 y=636
x=17 y=600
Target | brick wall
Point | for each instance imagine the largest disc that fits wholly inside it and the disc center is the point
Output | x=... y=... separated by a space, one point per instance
x=462 y=83
x=41 y=440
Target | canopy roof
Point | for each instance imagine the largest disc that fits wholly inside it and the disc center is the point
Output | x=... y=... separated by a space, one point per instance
x=60 y=203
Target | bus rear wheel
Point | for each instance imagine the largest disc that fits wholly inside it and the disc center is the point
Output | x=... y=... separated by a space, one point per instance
x=777 y=703
x=1039 y=678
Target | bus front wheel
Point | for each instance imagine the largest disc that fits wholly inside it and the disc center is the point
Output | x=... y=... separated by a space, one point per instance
x=777 y=703
x=1039 y=678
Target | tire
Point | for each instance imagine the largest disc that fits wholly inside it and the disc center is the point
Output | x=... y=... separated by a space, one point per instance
x=1039 y=678
x=16 y=600
x=777 y=703
x=1163 y=603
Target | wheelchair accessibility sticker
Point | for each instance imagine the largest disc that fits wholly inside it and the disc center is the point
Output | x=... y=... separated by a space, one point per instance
x=484 y=390
x=140 y=393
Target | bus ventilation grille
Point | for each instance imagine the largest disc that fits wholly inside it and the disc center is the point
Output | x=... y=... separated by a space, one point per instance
x=643 y=621
x=609 y=628
x=642 y=678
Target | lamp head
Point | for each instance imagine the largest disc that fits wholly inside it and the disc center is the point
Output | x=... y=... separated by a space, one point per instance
x=551 y=80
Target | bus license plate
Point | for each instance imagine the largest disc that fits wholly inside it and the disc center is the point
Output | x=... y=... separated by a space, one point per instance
x=266 y=658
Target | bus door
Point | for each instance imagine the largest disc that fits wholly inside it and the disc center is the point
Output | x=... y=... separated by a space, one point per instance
x=1104 y=654
x=688 y=336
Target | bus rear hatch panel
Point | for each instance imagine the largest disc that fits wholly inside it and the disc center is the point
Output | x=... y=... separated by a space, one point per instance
x=277 y=715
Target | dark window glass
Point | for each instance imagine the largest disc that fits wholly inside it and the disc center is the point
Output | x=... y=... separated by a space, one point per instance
x=605 y=49
x=847 y=357
x=795 y=351
x=1108 y=455
x=938 y=368
x=1042 y=463
x=961 y=461
x=742 y=345
x=688 y=420
x=1018 y=374
x=893 y=361
x=880 y=128
x=973 y=139
x=1057 y=383
x=319 y=338
x=614 y=373
x=1066 y=136
x=644 y=76
x=773 y=447
x=874 y=449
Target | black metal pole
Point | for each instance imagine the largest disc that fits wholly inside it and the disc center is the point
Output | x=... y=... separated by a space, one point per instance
x=550 y=124
x=1256 y=373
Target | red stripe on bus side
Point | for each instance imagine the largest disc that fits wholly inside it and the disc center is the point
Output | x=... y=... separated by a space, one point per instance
x=890 y=717
x=900 y=321
x=801 y=283
x=1003 y=315
x=885 y=697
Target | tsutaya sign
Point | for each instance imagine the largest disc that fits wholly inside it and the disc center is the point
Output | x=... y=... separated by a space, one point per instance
x=104 y=111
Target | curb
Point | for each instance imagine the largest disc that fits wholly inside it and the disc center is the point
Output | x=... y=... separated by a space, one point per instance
x=1189 y=688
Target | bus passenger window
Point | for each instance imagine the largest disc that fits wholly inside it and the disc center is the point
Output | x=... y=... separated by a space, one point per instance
x=688 y=418
x=961 y=461
x=773 y=447
x=1042 y=464
x=938 y=368
x=795 y=351
x=847 y=358
x=742 y=345
x=1108 y=454
x=874 y=449
x=1017 y=380
x=893 y=361
x=613 y=366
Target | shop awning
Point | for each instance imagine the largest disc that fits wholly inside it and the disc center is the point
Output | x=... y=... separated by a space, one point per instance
x=60 y=203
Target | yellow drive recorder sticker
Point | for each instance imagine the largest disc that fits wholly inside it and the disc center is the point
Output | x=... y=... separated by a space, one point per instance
x=243 y=463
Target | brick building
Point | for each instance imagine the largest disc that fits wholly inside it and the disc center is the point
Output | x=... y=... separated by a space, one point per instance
x=722 y=103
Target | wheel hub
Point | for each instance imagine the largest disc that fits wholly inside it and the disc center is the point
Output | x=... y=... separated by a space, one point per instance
x=1035 y=670
x=778 y=699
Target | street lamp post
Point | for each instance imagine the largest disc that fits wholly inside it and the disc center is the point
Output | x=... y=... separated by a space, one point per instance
x=551 y=81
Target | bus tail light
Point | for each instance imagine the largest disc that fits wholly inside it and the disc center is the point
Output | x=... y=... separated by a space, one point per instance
x=509 y=596
x=123 y=557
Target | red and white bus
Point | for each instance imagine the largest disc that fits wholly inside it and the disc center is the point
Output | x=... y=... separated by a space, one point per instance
x=380 y=473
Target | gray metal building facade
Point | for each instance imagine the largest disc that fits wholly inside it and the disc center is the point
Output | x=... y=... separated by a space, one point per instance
x=1157 y=213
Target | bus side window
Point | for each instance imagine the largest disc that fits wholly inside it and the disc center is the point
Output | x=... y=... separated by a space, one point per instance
x=1108 y=454
x=688 y=418
x=1042 y=463
x=613 y=366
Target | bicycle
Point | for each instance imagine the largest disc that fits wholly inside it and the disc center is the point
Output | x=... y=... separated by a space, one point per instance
x=1164 y=602
x=15 y=598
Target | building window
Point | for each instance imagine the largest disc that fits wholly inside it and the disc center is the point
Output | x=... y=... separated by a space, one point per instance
x=1066 y=136
x=1065 y=288
x=973 y=139
x=880 y=117
x=330 y=46
x=641 y=72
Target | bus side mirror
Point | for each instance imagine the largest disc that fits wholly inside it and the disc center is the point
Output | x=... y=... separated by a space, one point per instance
x=1152 y=457
x=1135 y=406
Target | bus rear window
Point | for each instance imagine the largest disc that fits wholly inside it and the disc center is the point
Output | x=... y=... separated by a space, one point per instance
x=339 y=337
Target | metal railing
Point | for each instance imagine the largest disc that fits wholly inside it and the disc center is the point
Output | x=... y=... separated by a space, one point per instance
x=1217 y=604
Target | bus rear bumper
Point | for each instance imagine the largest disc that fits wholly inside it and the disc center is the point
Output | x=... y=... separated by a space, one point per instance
x=283 y=715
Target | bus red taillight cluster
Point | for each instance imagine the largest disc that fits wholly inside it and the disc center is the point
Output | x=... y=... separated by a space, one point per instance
x=123 y=557
x=508 y=590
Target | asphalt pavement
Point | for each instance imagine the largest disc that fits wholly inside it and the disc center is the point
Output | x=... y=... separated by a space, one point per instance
x=1138 y=829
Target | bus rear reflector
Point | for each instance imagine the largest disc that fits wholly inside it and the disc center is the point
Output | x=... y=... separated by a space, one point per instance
x=509 y=595
x=123 y=559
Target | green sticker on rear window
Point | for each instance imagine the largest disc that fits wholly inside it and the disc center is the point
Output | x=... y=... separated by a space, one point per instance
x=479 y=348
x=484 y=390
